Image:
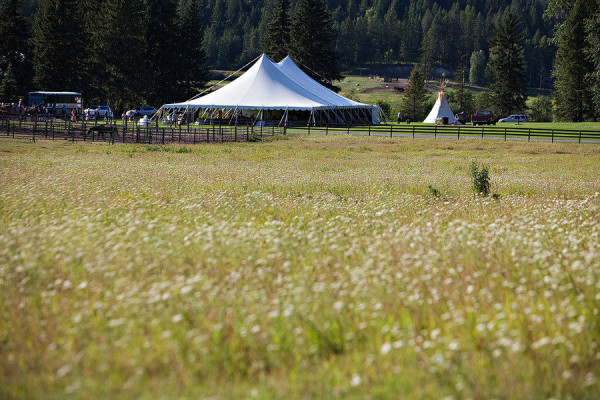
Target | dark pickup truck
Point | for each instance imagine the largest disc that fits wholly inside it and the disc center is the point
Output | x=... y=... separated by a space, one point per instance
x=483 y=117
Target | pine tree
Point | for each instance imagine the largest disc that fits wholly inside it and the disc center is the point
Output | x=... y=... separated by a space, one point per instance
x=508 y=65
x=311 y=42
x=118 y=54
x=163 y=55
x=430 y=51
x=414 y=96
x=58 y=45
x=593 y=52
x=8 y=85
x=195 y=75
x=14 y=47
x=278 y=35
x=477 y=71
x=573 y=97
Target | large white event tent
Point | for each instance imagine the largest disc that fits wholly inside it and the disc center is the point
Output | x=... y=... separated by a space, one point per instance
x=441 y=110
x=281 y=91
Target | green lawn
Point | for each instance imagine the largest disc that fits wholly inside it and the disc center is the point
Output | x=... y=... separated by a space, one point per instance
x=306 y=267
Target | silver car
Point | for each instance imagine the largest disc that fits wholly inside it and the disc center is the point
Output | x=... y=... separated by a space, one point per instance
x=515 y=118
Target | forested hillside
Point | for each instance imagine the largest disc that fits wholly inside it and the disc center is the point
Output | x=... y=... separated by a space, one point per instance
x=130 y=51
x=436 y=33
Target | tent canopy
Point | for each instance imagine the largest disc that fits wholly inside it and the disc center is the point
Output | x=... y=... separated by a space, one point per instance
x=440 y=110
x=270 y=86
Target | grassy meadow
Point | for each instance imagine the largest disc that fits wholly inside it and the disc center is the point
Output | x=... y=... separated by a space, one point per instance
x=306 y=267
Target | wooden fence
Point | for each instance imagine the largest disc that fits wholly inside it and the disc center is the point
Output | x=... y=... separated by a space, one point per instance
x=456 y=131
x=35 y=128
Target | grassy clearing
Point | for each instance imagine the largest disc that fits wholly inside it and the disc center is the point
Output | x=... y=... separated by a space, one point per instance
x=311 y=267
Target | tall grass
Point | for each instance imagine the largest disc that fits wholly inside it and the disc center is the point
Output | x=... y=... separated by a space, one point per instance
x=301 y=268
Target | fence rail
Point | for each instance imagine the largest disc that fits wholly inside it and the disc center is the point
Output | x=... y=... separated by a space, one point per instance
x=456 y=131
x=35 y=128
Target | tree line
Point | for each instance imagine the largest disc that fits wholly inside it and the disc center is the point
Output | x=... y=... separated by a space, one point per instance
x=118 y=52
x=157 y=51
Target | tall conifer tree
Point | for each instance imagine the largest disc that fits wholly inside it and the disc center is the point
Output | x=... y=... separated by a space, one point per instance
x=593 y=52
x=414 y=97
x=58 y=45
x=312 y=42
x=163 y=55
x=8 y=85
x=278 y=34
x=14 y=47
x=119 y=53
x=508 y=65
x=573 y=97
x=195 y=74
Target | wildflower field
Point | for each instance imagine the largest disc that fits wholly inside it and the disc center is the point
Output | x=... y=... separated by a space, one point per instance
x=337 y=267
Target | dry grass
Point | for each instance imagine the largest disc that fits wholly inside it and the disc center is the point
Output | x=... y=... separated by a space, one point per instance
x=312 y=267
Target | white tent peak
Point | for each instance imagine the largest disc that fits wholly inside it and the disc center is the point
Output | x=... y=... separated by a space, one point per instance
x=440 y=109
x=289 y=68
x=284 y=87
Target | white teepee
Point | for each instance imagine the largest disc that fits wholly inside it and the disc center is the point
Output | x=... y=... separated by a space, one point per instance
x=440 y=110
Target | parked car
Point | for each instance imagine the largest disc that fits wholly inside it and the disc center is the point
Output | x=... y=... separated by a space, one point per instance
x=146 y=110
x=483 y=117
x=515 y=118
x=100 y=111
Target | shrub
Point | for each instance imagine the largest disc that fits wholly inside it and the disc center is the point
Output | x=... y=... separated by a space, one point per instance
x=480 y=178
x=386 y=109
x=540 y=109
x=433 y=191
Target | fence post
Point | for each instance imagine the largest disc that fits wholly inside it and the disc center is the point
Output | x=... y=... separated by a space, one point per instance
x=309 y=128
x=413 y=129
x=326 y=129
x=369 y=129
x=505 y=134
x=435 y=132
x=529 y=134
x=579 y=136
x=482 y=132
x=391 y=130
x=552 y=135
x=32 y=135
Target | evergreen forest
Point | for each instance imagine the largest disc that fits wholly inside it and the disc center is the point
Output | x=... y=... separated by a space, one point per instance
x=160 y=50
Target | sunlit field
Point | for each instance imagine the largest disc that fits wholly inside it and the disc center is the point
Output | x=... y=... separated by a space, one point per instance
x=309 y=267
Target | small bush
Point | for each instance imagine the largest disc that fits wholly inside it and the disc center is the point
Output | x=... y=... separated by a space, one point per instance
x=540 y=109
x=434 y=192
x=254 y=137
x=386 y=109
x=480 y=178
